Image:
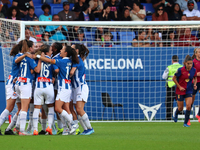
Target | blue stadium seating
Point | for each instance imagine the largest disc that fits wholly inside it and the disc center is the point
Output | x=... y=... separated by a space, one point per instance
x=56 y=9
x=114 y=36
x=198 y=4
x=126 y=38
x=90 y=36
x=37 y=2
x=38 y=11
x=148 y=18
x=148 y=7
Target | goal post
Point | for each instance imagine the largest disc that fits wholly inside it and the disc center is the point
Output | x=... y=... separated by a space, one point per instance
x=127 y=70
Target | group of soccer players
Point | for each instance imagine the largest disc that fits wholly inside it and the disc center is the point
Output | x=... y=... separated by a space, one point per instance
x=46 y=80
x=187 y=80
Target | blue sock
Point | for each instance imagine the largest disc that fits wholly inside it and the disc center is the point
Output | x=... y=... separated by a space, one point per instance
x=187 y=116
x=177 y=112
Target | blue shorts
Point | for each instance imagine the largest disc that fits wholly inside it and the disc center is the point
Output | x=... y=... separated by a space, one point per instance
x=182 y=97
x=198 y=88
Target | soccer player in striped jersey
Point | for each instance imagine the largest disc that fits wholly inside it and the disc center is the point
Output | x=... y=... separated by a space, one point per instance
x=183 y=79
x=196 y=65
x=25 y=81
x=44 y=91
x=64 y=83
x=11 y=95
x=81 y=90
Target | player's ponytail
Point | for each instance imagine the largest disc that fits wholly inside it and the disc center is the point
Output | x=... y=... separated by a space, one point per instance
x=83 y=51
x=58 y=46
x=195 y=51
x=15 y=50
x=26 y=45
x=187 y=58
x=72 y=53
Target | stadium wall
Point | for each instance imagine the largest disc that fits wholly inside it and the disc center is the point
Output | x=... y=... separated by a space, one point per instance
x=130 y=76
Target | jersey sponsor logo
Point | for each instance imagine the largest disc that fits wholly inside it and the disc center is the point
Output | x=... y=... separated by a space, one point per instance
x=147 y=109
x=43 y=79
x=67 y=81
x=21 y=79
x=187 y=80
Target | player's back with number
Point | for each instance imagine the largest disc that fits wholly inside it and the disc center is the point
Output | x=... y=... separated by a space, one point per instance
x=25 y=70
x=64 y=66
x=44 y=78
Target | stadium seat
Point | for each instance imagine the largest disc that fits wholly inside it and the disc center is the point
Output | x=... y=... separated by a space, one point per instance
x=90 y=36
x=198 y=4
x=38 y=11
x=107 y=102
x=148 y=18
x=114 y=36
x=126 y=38
x=56 y=9
x=148 y=7
x=37 y=2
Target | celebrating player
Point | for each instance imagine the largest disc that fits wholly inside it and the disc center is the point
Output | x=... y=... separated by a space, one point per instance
x=64 y=83
x=196 y=65
x=81 y=91
x=25 y=81
x=44 y=91
x=11 y=96
x=183 y=79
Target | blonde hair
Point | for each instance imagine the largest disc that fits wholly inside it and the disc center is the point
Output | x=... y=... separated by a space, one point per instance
x=195 y=51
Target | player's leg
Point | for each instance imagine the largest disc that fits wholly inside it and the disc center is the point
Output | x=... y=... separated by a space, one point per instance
x=17 y=127
x=81 y=99
x=180 y=99
x=193 y=99
x=25 y=94
x=188 y=101
x=8 y=130
x=49 y=97
x=30 y=123
x=43 y=120
x=168 y=104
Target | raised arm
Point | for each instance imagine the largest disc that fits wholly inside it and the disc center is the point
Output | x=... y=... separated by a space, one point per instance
x=45 y=59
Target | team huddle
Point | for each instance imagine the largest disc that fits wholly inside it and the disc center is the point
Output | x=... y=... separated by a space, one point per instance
x=47 y=80
x=187 y=80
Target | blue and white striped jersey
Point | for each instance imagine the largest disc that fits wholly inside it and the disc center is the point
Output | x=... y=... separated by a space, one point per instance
x=44 y=78
x=15 y=70
x=79 y=76
x=25 y=71
x=64 y=66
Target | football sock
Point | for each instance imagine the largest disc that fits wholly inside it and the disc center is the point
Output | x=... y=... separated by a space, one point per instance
x=23 y=116
x=60 y=125
x=18 y=121
x=177 y=111
x=81 y=122
x=50 y=116
x=3 y=116
x=13 y=122
x=43 y=124
x=86 y=121
x=35 y=118
x=30 y=123
x=199 y=112
x=187 y=115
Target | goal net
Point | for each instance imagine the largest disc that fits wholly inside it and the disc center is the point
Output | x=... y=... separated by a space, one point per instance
x=125 y=64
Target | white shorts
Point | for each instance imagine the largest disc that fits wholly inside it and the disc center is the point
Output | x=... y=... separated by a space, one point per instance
x=44 y=95
x=10 y=93
x=25 y=91
x=64 y=95
x=81 y=93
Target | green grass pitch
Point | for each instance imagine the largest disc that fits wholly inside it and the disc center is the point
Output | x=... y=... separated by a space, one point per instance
x=113 y=136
